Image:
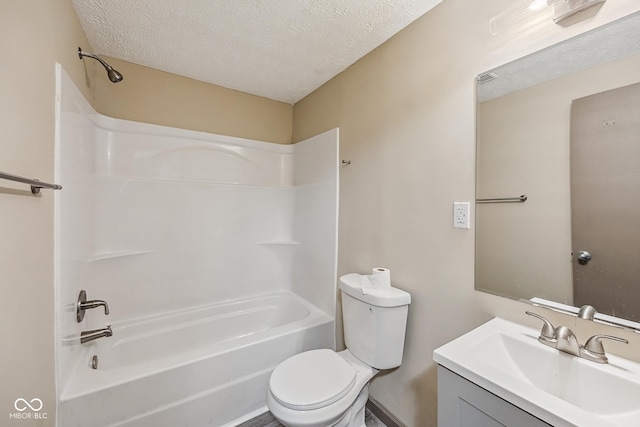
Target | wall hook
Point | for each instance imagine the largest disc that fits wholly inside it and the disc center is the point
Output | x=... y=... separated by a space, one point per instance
x=346 y=162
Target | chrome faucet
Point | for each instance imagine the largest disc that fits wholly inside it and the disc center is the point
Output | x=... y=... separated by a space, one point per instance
x=563 y=339
x=567 y=341
x=587 y=312
x=87 y=336
x=83 y=305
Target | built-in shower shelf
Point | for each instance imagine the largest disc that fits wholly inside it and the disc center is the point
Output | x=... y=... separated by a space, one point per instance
x=116 y=254
x=279 y=242
x=195 y=181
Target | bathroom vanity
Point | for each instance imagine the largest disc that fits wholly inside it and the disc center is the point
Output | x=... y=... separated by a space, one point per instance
x=462 y=403
x=499 y=374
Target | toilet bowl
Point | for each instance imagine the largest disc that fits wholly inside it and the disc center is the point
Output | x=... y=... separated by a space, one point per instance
x=320 y=388
x=324 y=388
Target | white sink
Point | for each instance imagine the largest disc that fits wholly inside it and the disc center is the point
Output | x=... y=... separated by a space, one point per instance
x=563 y=390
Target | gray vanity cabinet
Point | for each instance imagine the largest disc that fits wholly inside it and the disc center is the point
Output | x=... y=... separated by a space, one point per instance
x=461 y=403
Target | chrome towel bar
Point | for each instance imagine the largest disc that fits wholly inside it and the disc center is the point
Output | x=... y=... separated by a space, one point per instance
x=34 y=183
x=520 y=199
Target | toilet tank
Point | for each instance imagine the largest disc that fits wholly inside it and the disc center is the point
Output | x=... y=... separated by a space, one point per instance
x=374 y=323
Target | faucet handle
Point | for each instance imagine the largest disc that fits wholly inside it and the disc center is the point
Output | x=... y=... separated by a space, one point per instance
x=82 y=304
x=594 y=344
x=548 y=332
x=93 y=304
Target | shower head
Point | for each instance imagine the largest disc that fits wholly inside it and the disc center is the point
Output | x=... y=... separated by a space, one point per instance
x=114 y=75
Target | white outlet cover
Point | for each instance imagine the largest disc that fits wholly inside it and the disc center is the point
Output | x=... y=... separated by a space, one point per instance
x=461 y=212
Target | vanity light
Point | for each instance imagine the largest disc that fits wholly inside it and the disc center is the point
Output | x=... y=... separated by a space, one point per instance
x=529 y=14
x=538 y=4
x=562 y=9
x=522 y=15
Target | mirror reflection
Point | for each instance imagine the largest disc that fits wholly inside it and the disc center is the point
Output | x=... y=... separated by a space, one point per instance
x=562 y=127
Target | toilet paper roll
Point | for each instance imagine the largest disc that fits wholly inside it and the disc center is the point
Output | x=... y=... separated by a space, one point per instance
x=378 y=281
x=382 y=277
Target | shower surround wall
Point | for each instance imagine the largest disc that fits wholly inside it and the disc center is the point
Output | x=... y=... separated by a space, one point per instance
x=180 y=231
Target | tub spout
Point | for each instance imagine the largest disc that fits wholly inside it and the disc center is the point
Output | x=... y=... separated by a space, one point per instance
x=87 y=336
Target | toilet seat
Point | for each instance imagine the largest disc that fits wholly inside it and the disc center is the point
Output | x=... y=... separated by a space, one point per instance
x=312 y=380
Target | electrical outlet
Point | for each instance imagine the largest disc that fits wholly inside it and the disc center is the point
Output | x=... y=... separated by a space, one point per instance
x=461 y=214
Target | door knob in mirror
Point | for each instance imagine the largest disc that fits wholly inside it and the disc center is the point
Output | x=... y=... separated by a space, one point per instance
x=584 y=257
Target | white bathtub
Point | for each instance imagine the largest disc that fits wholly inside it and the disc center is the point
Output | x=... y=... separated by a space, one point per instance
x=208 y=366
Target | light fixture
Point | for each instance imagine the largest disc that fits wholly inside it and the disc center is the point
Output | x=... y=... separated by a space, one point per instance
x=521 y=16
x=562 y=9
x=527 y=15
x=538 y=4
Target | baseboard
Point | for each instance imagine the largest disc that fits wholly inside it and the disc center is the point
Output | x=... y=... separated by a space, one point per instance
x=382 y=414
x=266 y=419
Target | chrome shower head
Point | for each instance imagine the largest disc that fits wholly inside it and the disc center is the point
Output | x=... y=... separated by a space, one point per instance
x=113 y=74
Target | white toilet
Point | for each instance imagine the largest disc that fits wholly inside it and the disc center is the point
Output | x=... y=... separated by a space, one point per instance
x=322 y=388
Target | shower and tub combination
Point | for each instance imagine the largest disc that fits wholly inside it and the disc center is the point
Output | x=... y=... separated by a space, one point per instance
x=215 y=258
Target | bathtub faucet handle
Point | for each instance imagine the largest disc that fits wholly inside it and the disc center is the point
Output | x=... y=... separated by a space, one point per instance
x=83 y=305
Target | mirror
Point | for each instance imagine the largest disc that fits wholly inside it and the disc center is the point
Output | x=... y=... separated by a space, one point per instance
x=534 y=202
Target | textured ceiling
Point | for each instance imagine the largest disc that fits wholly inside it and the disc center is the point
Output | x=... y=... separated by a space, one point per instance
x=278 y=49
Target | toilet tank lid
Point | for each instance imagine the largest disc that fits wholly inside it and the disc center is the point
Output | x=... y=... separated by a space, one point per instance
x=394 y=297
